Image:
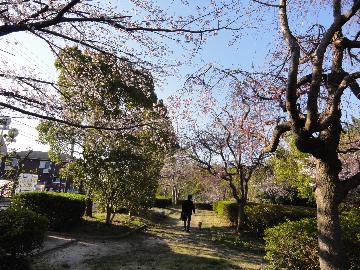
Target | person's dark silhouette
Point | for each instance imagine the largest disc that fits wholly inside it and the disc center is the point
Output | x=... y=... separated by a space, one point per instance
x=187 y=209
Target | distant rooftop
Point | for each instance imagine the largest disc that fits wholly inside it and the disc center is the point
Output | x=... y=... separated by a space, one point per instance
x=41 y=155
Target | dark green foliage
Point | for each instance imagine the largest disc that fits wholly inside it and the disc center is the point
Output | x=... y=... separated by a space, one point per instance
x=21 y=231
x=262 y=216
x=243 y=241
x=293 y=245
x=11 y=263
x=62 y=209
x=203 y=206
x=162 y=202
x=117 y=169
x=350 y=225
x=289 y=196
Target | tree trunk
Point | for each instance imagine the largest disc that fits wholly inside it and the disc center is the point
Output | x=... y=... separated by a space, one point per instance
x=88 y=207
x=241 y=219
x=67 y=185
x=328 y=197
x=88 y=204
x=108 y=215
x=174 y=195
x=81 y=187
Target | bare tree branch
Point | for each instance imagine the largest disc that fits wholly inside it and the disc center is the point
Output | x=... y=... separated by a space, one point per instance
x=266 y=4
x=312 y=102
x=294 y=47
x=334 y=102
x=54 y=119
x=277 y=133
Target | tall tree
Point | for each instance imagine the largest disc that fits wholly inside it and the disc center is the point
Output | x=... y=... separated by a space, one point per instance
x=316 y=129
x=178 y=175
x=230 y=147
x=312 y=65
x=111 y=160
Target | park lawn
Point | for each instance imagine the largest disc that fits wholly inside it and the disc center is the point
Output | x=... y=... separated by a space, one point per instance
x=95 y=226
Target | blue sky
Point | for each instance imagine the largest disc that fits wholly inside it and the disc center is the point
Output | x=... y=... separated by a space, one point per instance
x=248 y=53
x=25 y=51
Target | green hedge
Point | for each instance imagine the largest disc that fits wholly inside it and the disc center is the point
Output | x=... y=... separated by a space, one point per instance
x=21 y=231
x=162 y=202
x=227 y=210
x=203 y=206
x=293 y=245
x=62 y=209
x=261 y=216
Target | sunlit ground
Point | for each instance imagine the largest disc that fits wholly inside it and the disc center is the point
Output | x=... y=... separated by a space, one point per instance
x=163 y=245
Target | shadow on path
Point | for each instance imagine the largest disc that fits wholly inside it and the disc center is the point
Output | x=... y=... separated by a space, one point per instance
x=163 y=246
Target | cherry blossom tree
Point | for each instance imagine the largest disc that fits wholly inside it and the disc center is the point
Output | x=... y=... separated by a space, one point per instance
x=313 y=63
x=142 y=32
x=317 y=129
x=230 y=147
x=182 y=175
x=310 y=80
x=349 y=152
x=177 y=172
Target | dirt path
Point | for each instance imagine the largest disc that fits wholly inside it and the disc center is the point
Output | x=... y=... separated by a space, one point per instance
x=160 y=247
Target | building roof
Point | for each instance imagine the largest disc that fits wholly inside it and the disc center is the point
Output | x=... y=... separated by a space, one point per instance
x=41 y=155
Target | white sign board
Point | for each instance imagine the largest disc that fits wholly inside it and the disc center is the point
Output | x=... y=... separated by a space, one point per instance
x=27 y=182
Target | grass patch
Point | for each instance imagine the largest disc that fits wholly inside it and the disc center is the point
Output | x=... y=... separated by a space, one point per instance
x=245 y=241
x=96 y=225
x=163 y=259
x=164 y=246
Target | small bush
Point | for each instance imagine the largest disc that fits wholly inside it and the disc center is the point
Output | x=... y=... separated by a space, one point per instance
x=162 y=202
x=203 y=206
x=293 y=245
x=62 y=209
x=21 y=231
x=226 y=209
x=262 y=216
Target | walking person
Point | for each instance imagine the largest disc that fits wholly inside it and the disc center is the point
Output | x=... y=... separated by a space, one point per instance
x=187 y=209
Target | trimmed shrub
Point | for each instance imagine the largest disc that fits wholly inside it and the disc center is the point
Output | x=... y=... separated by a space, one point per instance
x=203 y=206
x=262 y=216
x=162 y=202
x=293 y=245
x=21 y=231
x=226 y=209
x=62 y=209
